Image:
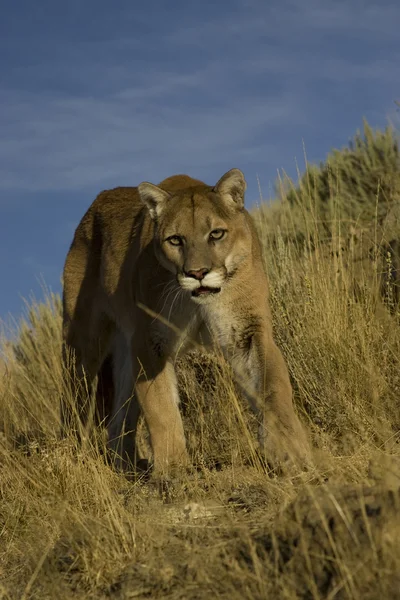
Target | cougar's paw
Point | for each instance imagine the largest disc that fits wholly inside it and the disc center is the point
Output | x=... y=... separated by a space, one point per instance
x=172 y=483
x=286 y=452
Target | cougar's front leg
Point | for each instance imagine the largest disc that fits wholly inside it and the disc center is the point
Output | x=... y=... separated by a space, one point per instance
x=157 y=392
x=263 y=376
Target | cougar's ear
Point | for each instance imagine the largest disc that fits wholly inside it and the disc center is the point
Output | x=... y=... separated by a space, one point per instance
x=231 y=187
x=154 y=198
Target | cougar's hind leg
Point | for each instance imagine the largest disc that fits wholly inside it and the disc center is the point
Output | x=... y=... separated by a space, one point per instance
x=104 y=399
x=124 y=418
x=84 y=352
x=105 y=392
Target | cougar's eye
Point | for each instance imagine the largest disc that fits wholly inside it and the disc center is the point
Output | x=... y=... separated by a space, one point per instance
x=175 y=240
x=217 y=234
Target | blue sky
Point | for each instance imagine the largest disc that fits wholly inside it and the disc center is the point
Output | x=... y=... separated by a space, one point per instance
x=96 y=94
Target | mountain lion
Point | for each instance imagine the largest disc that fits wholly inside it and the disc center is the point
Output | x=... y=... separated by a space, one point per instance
x=151 y=270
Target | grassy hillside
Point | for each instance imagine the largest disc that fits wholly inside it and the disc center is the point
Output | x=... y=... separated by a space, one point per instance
x=70 y=527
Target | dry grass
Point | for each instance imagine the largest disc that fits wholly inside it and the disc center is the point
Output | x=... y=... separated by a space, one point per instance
x=70 y=527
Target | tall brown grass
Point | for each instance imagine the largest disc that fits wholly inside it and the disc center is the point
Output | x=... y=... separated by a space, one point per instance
x=71 y=527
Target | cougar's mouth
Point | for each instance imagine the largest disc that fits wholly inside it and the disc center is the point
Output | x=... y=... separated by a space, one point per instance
x=205 y=291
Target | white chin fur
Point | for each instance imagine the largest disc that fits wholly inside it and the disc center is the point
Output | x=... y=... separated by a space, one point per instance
x=205 y=299
x=188 y=283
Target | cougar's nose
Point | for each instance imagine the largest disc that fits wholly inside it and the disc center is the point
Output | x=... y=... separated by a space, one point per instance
x=197 y=273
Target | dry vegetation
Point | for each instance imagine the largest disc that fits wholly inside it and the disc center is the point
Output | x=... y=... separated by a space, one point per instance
x=70 y=527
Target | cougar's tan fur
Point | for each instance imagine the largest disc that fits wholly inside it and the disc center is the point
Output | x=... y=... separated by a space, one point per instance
x=151 y=269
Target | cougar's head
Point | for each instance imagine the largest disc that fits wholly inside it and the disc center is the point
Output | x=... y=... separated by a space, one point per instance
x=201 y=232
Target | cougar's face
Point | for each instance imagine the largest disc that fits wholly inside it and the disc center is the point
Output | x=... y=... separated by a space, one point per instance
x=202 y=243
x=201 y=232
